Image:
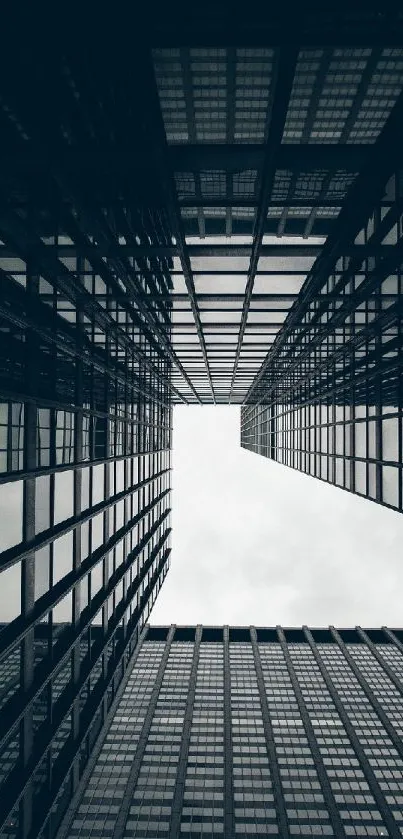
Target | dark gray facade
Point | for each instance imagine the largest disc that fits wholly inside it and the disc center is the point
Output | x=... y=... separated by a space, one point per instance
x=226 y=732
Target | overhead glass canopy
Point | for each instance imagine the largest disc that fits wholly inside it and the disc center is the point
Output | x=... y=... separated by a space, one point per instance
x=264 y=145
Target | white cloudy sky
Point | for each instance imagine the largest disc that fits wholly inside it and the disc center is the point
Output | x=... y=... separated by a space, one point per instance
x=258 y=543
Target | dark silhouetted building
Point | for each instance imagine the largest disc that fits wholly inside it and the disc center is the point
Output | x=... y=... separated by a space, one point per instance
x=226 y=732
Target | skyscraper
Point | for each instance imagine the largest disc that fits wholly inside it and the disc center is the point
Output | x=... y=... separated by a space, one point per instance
x=202 y=212
x=327 y=399
x=232 y=731
x=85 y=501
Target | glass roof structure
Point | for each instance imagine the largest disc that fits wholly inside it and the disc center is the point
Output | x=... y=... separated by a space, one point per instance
x=225 y=163
x=264 y=144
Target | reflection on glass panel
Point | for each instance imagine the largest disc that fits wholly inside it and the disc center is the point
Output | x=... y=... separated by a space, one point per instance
x=43 y=437
x=17 y=436
x=64 y=496
x=227 y=263
x=9 y=676
x=97 y=525
x=11 y=506
x=62 y=556
x=9 y=756
x=372 y=480
x=360 y=439
x=62 y=616
x=96 y=578
x=42 y=503
x=84 y=597
x=272 y=284
x=64 y=437
x=390 y=491
x=390 y=439
x=40 y=779
x=85 y=488
x=119 y=473
x=42 y=571
x=97 y=484
x=85 y=529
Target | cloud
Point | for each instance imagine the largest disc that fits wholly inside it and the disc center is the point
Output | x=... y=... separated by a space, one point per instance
x=257 y=542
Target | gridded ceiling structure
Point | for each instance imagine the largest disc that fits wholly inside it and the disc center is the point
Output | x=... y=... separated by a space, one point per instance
x=215 y=150
x=264 y=144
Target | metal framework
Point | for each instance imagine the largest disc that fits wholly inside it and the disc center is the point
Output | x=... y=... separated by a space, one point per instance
x=328 y=399
x=265 y=144
x=85 y=421
x=211 y=213
x=240 y=169
x=258 y=730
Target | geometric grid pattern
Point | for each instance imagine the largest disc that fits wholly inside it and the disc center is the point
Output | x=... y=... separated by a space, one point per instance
x=264 y=145
x=328 y=401
x=164 y=211
x=85 y=537
x=232 y=731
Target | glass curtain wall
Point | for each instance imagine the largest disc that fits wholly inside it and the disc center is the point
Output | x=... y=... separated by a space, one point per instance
x=85 y=433
x=232 y=731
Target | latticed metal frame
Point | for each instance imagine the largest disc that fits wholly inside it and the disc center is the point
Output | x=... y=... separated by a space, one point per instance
x=84 y=465
x=117 y=301
x=229 y=730
x=329 y=401
x=265 y=144
x=87 y=428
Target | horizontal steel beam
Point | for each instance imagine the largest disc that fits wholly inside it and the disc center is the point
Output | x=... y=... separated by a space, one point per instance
x=193 y=157
x=248 y=201
x=317 y=25
x=277 y=250
x=239 y=157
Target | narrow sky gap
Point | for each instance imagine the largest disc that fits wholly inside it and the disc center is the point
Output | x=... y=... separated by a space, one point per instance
x=257 y=542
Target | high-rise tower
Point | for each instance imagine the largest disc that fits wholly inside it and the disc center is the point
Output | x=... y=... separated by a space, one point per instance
x=227 y=732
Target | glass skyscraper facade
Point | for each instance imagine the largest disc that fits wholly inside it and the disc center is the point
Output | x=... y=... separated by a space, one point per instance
x=85 y=500
x=233 y=731
x=328 y=399
x=85 y=424
x=192 y=212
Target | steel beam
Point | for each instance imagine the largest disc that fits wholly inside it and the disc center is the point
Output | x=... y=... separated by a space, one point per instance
x=326 y=788
x=284 y=77
x=124 y=808
x=159 y=149
x=229 y=811
x=369 y=774
x=229 y=157
x=278 y=791
x=179 y=789
x=366 y=192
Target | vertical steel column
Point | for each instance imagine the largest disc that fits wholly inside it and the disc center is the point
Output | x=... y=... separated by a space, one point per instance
x=81 y=789
x=384 y=664
x=28 y=564
x=327 y=791
x=177 y=801
x=370 y=777
x=279 y=803
x=78 y=456
x=229 y=820
x=142 y=743
x=393 y=638
x=365 y=687
x=106 y=515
